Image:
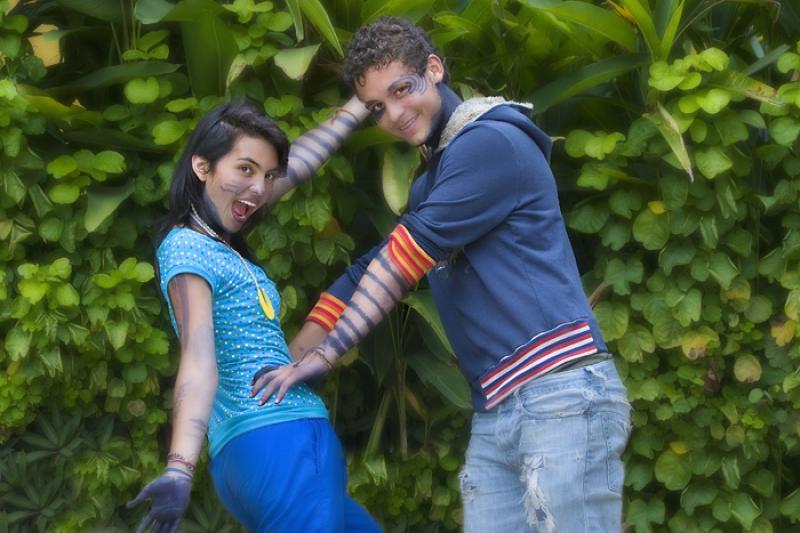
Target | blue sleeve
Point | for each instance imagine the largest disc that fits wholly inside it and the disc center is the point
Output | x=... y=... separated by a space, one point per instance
x=475 y=189
x=185 y=253
x=344 y=287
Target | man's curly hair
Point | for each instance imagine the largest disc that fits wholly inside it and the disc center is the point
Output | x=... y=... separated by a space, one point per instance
x=385 y=40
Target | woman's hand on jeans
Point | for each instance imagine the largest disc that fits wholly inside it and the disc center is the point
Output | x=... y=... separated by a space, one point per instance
x=169 y=495
x=277 y=380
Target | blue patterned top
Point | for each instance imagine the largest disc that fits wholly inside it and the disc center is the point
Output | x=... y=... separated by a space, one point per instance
x=245 y=339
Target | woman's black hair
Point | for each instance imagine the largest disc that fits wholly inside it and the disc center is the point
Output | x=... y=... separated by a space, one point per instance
x=213 y=137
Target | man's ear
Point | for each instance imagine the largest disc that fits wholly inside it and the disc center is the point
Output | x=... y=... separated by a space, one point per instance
x=435 y=66
x=200 y=166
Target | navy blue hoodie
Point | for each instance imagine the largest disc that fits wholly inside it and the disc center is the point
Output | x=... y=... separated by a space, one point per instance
x=505 y=283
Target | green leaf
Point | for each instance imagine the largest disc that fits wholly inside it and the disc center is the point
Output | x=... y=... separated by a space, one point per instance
x=107 y=11
x=588 y=218
x=114 y=75
x=209 y=45
x=689 y=308
x=142 y=90
x=397 y=175
x=696 y=343
x=763 y=481
x=747 y=368
x=109 y=161
x=722 y=269
x=117 y=333
x=62 y=166
x=784 y=130
x=593 y=18
x=790 y=505
x=316 y=14
x=50 y=229
x=102 y=202
x=644 y=20
x=447 y=379
x=759 y=310
x=671 y=132
x=744 y=510
x=134 y=373
x=168 y=132
x=297 y=19
x=676 y=253
x=18 y=343
x=318 y=211
x=641 y=514
x=625 y=202
x=619 y=274
x=651 y=230
x=712 y=161
x=583 y=79
x=612 y=318
x=64 y=193
x=12 y=186
x=324 y=251
x=673 y=470
x=295 y=61
x=698 y=495
x=66 y=295
x=637 y=341
x=422 y=302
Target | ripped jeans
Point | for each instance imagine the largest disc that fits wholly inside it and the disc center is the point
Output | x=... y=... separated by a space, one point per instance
x=548 y=459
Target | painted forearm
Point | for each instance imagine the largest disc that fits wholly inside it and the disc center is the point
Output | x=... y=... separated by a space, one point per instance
x=381 y=287
x=195 y=388
x=312 y=149
x=309 y=336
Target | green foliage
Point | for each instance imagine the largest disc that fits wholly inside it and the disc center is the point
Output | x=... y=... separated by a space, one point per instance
x=679 y=173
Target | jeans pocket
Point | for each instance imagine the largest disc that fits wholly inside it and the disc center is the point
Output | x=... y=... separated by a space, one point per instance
x=616 y=432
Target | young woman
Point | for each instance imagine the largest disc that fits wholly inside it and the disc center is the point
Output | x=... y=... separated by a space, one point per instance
x=279 y=467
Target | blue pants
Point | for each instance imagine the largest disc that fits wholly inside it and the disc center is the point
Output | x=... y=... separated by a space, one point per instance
x=288 y=478
x=548 y=459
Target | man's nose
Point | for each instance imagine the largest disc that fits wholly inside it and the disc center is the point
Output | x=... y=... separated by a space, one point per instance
x=393 y=112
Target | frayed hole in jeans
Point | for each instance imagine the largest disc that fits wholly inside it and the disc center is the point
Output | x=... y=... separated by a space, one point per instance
x=468 y=488
x=535 y=505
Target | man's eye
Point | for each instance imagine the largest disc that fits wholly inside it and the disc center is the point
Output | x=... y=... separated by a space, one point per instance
x=376 y=110
x=402 y=90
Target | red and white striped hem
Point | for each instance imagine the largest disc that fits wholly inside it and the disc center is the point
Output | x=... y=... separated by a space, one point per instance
x=544 y=353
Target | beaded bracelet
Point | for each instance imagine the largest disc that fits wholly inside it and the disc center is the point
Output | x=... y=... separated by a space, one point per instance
x=343 y=110
x=318 y=352
x=173 y=457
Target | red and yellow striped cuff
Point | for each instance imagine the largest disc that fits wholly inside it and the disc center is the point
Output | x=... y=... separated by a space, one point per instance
x=407 y=255
x=326 y=311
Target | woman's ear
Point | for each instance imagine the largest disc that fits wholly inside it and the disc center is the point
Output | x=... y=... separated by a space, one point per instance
x=435 y=67
x=200 y=166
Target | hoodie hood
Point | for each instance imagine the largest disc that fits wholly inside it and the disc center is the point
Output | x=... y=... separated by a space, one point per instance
x=494 y=108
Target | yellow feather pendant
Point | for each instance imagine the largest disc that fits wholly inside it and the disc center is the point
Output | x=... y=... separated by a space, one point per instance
x=266 y=305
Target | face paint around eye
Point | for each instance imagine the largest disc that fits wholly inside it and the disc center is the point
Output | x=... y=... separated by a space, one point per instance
x=415 y=83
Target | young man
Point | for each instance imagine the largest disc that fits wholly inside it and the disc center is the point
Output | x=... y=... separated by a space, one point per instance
x=484 y=225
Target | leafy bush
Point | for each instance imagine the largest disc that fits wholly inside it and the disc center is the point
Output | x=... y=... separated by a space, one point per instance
x=678 y=166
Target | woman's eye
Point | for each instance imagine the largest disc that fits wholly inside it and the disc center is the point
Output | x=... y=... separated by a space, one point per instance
x=272 y=176
x=245 y=170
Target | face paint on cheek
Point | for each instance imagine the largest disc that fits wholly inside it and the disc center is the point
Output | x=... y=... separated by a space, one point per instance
x=233 y=189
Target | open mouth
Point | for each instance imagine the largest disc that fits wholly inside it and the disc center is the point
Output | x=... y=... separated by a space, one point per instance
x=242 y=209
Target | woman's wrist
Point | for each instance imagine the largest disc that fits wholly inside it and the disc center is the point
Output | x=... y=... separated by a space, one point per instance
x=179 y=462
